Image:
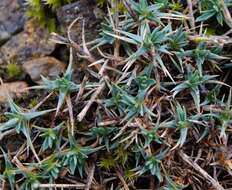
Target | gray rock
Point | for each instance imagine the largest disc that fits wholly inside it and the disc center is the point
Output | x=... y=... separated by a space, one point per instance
x=12 y=18
x=86 y=10
x=32 y=43
x=46 y=66
x=14 y=89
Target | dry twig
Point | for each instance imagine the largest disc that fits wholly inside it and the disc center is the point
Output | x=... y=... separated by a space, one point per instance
x=195 y=166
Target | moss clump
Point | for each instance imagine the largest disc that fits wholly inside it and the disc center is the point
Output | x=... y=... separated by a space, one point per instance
x=13 y=70
x=44 y=11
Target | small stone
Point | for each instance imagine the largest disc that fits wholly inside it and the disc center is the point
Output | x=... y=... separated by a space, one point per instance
x=13 y=89
x=33 y=42
x=12 y=18
x=4 y=35
x=46 y=66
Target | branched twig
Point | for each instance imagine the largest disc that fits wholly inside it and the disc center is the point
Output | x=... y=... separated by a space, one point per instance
x=190 y=7
x=195 y=166
x=6 y=133
x=90 y=177
x=70 y=110
x=69 y=186
x=122 y=180
x=82 y=114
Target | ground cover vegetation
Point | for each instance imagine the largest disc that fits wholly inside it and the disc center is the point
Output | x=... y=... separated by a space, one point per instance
x=152 y=111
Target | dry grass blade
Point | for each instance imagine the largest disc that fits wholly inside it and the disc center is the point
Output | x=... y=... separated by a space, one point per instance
x=204 y=174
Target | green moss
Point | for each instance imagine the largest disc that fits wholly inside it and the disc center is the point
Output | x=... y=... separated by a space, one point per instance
x=129 y=175
x=33 y=102
x=176 y=6
x=210 y=31
x=121 y=155
x=44 y=12
x=13 y=70
x=101 y=3
x=107 y=163
x=120 y=6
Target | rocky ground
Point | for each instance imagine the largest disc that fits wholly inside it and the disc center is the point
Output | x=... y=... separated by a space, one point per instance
x=25 y=43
